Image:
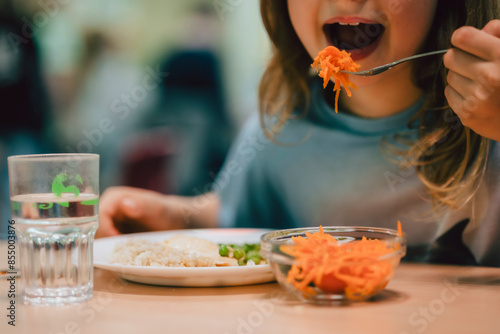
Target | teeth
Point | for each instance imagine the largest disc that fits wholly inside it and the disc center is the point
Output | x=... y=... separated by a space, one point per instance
x=350 y=24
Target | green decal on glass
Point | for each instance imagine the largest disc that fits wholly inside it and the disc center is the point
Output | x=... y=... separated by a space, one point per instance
x=16 y=206
x=94 y=201
x=58 y=188
x=45 y=205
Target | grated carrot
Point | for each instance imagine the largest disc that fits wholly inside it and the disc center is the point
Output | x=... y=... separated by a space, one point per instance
x=353 y=268
x=332 y=61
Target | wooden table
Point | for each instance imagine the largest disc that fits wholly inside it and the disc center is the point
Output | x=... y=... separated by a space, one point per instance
x=419 y=299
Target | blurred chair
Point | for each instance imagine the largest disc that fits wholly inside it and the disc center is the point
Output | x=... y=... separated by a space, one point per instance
x=147 y=160
x=193 y=107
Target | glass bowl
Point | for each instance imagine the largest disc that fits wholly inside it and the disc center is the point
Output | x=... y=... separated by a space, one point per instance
x=355 y=266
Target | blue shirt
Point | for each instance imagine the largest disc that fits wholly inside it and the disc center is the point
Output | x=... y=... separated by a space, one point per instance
x=330 y=169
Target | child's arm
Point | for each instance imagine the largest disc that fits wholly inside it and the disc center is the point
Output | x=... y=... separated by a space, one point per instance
x=127 y=210
x=473 y=90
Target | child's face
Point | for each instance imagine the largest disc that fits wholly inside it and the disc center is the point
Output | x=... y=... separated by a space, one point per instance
x=375 y=32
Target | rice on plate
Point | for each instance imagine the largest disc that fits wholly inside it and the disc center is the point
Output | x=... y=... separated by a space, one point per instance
x=178 y=251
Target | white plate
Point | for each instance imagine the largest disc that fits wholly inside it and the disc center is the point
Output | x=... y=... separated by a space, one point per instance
x=187 y=276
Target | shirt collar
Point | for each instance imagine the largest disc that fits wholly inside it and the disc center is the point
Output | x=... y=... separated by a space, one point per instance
x=323 y=113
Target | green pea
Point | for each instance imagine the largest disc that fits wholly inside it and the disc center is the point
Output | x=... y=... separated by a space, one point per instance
x=238 y=253
x=255 y=256
x=223 y=250
x=252 y=253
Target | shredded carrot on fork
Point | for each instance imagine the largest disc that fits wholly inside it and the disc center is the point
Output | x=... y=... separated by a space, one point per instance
x=354 y=268
x=332 y=61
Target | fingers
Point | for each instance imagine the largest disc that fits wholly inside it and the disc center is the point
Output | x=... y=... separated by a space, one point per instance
x=131 y=207
x=493 y=28
x=473 y=89
x=463 y=63
x=476 y=54
x=469 y=66
x=467 y=87
x=106 y=228
x=480 y=43
x=108 y=209
x=461 y=83
x=123 y=210
x=460 y=105
x=139 y=211
x=474 y=67
x=465 y=96
x=129 y=210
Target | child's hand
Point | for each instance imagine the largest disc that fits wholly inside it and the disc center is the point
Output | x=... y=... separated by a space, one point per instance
x=127 y=210
x=473 y=90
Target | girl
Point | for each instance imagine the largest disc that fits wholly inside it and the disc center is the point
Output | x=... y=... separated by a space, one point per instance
x=396 y=150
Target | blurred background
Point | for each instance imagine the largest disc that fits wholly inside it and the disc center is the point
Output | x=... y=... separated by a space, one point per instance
x=158 y=88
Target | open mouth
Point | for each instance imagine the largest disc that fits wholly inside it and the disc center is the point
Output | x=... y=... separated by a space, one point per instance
x=353 y=36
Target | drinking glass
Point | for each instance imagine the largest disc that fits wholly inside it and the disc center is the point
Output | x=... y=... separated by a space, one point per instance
x=54 y=203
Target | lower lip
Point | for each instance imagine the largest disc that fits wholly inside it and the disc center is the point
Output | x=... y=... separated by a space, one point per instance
x=358 y=54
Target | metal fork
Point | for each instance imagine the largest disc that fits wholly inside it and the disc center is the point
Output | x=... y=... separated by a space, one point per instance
x=383 y=68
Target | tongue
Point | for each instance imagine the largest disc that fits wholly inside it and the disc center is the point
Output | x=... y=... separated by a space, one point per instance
x=346 y=36
x=354 y=37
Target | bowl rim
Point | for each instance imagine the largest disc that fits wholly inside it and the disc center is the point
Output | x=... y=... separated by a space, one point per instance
x=267 y=241
x=268 y=237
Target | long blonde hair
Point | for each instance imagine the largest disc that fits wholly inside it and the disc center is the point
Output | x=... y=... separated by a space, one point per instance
x=450 y=159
